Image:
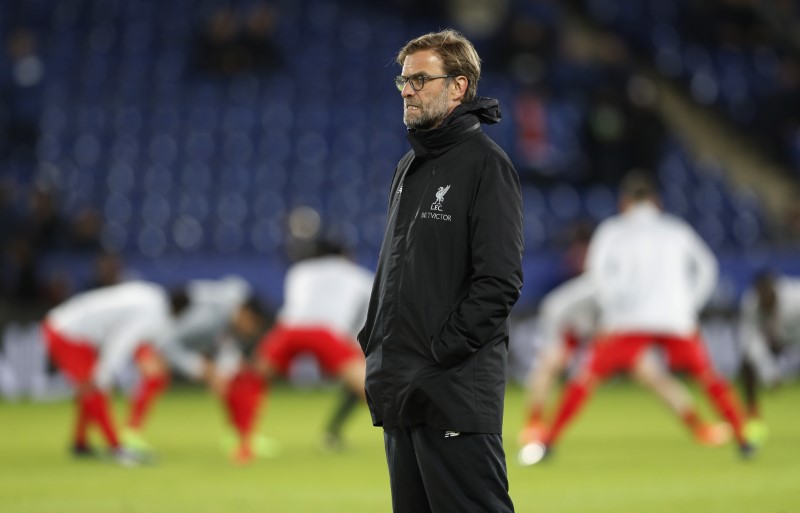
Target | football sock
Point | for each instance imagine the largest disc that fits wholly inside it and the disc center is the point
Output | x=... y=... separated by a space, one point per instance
x=536 y=416
x=150 y=387
x=98 y=411
x=574 y=397
x=691 y=419
x=749 y=381
x=724 y=401
x=242 y=400
x=348 y=401
x=82 y=423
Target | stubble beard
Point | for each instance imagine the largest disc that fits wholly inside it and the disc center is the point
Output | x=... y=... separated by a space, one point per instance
x=431 y=115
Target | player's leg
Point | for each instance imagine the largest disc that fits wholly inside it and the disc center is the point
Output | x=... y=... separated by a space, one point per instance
x=249 y=388
x=749 y=382
x=340 y=357
x=755 y=429
x=572 y=400
x=353 y=373
x=345 y=406
x=76 y=361
x=547 y=368
x=690 y=354
x=243 y=400
x=96 y=404
x=608 y=354
x=651 y=373
x=153 y=381
x=574 y=397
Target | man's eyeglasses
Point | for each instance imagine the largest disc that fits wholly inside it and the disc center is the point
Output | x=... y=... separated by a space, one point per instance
x=417 y=81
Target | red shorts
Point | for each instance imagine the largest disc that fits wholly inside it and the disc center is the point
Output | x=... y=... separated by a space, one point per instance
x=74 y=358
x=282 y=344
x=620 y=351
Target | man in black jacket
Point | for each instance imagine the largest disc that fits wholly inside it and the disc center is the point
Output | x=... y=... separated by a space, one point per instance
x=436 y=335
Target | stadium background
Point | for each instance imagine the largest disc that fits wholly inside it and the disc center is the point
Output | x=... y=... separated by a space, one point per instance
x=179 y=139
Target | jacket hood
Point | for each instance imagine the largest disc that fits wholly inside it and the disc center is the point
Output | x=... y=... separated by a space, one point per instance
x=487 y=111
x=463 y=121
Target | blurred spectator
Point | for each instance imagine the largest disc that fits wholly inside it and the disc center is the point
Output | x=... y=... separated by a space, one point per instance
x=524 y=49
x=233 y=42
x=725 y=22
x=44 y=225
x=86 y=230
x=21 y=274
x=607 y=130
x=20 y=90
x=258 y=37
x=477 y=18
x=533 y=142
x=9 y=217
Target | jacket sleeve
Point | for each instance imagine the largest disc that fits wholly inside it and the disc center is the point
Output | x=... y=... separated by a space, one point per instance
x=496 y=245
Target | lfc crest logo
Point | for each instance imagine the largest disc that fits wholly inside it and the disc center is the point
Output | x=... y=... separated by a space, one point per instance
x=437 y=205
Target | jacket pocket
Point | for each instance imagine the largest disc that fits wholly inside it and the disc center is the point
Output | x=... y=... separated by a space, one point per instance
x=436 y=316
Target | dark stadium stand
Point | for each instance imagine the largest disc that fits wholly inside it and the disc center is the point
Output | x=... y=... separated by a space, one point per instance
x=195 y=163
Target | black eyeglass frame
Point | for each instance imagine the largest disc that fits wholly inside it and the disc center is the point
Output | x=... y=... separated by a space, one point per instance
x=400 y=81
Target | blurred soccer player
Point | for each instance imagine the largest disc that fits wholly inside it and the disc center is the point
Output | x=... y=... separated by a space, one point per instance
x=567 y=322
x=325 y=299
x=221 y=319
x=770 y=340
x=92 y=335
x=653 y=275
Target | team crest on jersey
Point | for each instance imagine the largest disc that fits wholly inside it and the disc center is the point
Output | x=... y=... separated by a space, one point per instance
x=437 y=207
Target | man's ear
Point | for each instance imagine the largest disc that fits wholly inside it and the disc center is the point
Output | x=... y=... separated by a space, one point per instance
x=460 y=84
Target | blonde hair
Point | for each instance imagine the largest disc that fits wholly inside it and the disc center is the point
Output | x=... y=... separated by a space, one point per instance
x=457 y=53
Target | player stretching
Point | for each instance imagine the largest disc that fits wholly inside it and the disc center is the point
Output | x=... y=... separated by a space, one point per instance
x=325 y=299
x=91 y=336
x=222 y=320
x=568 y=319
x=770 y=340
x=653 y=275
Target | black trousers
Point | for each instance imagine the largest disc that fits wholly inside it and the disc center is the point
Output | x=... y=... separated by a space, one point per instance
x=435 y=471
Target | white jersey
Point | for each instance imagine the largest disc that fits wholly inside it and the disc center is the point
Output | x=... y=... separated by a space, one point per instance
x=784 y=327
x=115 y=320
x=570 y=306
x=652 y=271
x=201 y=328
x=330 y=292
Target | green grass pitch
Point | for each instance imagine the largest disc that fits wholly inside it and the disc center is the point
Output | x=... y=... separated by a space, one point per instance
x=624 y=454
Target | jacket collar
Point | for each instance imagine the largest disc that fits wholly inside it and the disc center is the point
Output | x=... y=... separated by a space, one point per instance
x=465 y=120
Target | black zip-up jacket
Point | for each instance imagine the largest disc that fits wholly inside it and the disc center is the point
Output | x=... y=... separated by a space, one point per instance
x=449 y=272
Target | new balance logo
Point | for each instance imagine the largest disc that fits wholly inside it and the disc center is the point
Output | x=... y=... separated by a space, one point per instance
x=451 y=434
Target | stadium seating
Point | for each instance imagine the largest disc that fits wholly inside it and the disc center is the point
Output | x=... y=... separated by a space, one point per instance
x=183 y=162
